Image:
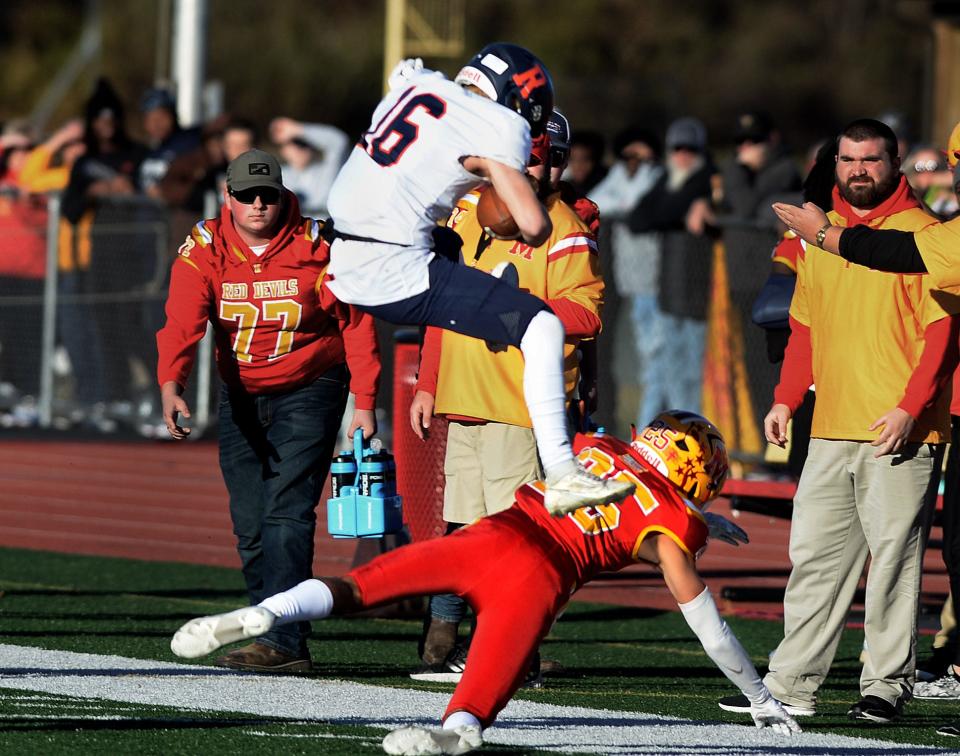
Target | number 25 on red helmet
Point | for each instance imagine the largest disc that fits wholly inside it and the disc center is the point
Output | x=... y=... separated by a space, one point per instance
x=688 y=450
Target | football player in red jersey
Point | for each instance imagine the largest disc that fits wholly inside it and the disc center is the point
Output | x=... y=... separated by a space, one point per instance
x=519 y=567
x=288 y=353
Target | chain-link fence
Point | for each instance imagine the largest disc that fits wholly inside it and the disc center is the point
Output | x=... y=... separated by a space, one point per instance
x=82 y=303
x=77 y=340
x=688 y=342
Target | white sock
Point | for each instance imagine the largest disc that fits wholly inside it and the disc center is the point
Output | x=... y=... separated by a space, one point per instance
x=542 y=347
x=460 y=719
x=309 y=600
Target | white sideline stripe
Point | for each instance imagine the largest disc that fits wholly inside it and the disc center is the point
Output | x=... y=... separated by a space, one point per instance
x=523 y=724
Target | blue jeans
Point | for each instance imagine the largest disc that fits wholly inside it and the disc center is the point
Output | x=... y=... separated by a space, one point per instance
x=80 y=337
x=650 y=339
x=687 y=340
x=275 y=452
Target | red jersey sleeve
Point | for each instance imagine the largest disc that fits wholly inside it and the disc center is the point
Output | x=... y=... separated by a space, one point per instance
x=937 y=364
x=429 y=371
x=360 y=345
x=796 y=373
x=187 y=309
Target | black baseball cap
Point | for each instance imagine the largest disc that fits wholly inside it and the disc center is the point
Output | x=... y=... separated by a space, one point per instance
x=755 y=126
x=254 y=168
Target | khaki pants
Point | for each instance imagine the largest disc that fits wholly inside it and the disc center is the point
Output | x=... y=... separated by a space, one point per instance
x=485 y=464
x=948 y=624
x=848 y=505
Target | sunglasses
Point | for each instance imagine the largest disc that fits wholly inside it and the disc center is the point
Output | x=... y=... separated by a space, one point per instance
x=267 y=194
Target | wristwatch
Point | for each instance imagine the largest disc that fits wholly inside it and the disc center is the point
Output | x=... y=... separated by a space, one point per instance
x=822 y=234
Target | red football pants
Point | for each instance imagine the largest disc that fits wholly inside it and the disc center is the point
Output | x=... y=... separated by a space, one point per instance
x=514 y=575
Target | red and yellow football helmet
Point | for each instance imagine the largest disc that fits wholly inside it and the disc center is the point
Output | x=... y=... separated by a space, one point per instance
x=688 y=450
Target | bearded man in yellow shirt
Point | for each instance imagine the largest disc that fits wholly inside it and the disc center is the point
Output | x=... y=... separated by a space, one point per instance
x=879 y=348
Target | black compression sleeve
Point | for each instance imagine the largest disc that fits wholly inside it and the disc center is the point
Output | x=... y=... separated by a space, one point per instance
x=892 y=251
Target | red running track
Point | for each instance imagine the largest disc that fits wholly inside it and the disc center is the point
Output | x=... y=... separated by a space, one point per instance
x=163 y=501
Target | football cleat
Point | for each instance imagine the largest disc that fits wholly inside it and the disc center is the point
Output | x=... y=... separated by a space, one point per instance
x=420 y=741
x=579 y=488
x=200 y=636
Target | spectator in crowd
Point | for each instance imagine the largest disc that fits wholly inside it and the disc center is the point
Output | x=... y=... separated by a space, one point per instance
x=23 y=213
x=312 y=154
x=585 y=167
x=491 y=449
x=23 y=221
x=931 y=179
x=288 y=353
x=879 y=427
x=193 y=176
x=686 y=259
x=166 y=140
x=900 y=125
x=91 y=262
x=759 y=172
x=47 y=167
x=239 y=135
x=636 y=256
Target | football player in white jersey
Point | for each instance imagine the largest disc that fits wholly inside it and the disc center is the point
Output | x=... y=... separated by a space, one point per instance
x=431 y=140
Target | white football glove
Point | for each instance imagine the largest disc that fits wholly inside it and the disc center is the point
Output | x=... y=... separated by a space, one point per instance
x=769 y=713
x=723 y=530
x=404 y=71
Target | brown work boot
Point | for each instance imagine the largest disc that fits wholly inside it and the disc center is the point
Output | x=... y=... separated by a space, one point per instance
x=439 y=640
x=257 y=657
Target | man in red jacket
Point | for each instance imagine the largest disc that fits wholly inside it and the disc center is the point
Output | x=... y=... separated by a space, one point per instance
x=288 y=353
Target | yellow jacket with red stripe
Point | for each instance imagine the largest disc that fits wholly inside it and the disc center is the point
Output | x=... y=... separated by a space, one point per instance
x=474 y=381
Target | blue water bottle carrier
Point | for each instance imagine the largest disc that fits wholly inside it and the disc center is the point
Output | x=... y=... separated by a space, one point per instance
x=365 y=503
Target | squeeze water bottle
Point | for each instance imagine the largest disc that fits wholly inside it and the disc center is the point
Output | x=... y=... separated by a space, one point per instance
x=343 y=472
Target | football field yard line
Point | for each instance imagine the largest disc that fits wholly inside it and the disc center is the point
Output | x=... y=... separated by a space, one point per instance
x=523 y=724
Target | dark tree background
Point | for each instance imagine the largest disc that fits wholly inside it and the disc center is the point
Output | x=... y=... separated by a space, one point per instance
x=813 y=65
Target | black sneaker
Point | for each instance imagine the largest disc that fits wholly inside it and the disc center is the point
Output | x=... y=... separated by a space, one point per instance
x=534 y=677
x=450 y=670
x=876 y=709
x=740 y=703
x=951 y=730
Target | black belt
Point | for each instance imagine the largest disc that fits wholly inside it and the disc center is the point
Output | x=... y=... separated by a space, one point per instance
x=329 y=233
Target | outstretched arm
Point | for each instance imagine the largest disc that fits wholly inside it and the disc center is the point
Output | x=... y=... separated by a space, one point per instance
x=721 y=645
x=888 y=250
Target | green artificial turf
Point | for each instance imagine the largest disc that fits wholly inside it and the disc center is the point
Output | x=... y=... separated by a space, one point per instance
x=614 y=658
